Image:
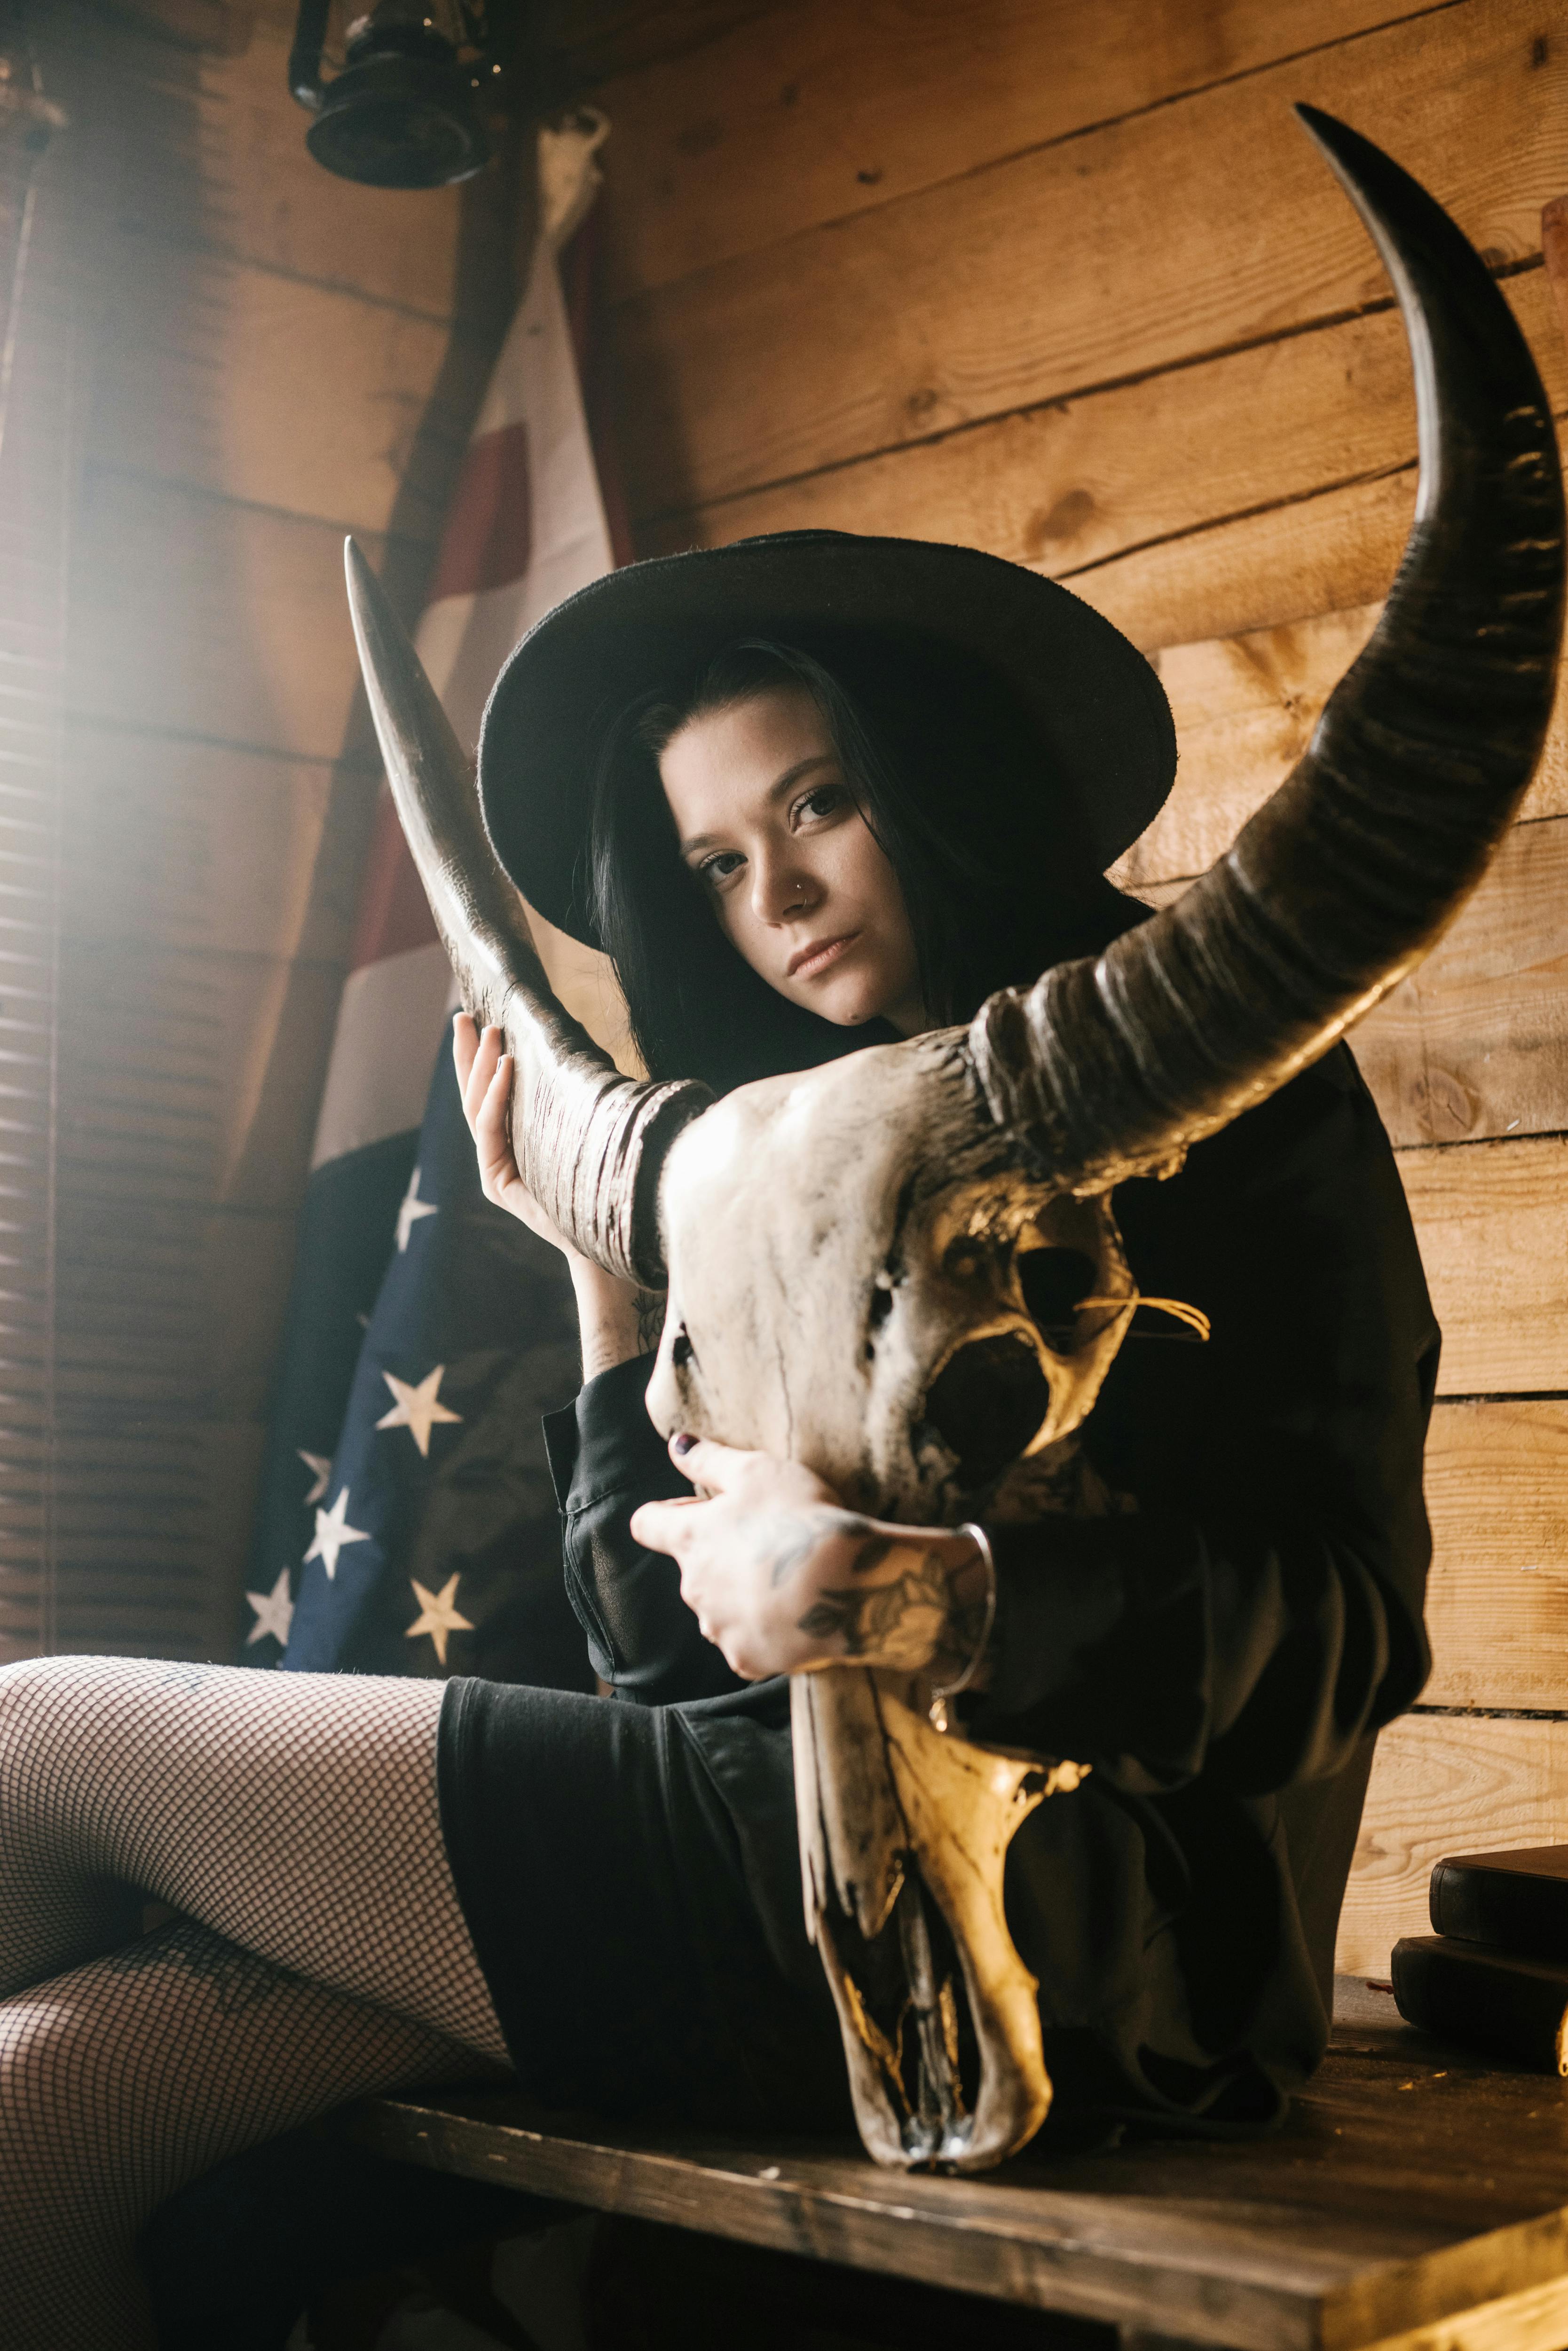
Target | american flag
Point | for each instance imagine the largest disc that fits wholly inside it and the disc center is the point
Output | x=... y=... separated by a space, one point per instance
x=407 y=1522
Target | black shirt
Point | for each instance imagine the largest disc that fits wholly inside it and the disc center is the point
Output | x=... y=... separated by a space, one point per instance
x=1222 y=1655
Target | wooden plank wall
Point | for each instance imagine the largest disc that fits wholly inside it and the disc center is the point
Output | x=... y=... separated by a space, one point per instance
x=265 y=358
x=1065 y=281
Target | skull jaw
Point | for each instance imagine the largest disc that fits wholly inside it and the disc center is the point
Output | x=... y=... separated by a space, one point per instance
x=885 y=1802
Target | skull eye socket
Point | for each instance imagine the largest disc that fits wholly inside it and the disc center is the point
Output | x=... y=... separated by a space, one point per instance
x=986 y=1403
x=1052 y=1281
x=963 y=1258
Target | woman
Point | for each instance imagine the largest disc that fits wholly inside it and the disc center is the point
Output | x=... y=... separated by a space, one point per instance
x=795 y=835
x=801 y=837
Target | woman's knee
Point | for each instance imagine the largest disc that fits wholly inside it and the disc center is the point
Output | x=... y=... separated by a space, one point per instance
x=45 y=1705
x=61 y=2096
x=36 y=1694
x=37 y=1691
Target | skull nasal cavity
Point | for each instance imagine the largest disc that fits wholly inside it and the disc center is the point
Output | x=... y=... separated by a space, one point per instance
x=1052 y=1281
x=985 y=1404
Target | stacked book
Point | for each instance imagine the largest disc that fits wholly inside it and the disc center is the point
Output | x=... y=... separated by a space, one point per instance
x=1495 y=1972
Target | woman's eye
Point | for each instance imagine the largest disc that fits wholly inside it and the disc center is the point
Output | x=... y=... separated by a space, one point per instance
x=719 y=867
x=826 y=800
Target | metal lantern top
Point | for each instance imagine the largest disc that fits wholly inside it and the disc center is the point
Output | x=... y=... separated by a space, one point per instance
x=405 y=110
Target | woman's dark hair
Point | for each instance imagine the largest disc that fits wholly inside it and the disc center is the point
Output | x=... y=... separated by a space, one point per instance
x=956 y=787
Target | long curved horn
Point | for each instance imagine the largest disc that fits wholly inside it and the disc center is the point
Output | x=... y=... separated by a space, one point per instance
x=590 y=1143
x=1341 y=883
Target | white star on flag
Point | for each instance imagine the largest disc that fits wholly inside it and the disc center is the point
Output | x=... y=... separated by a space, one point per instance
x=411 y=1210
x=320 y=1469
x=274 y=1613
x=416 y=1408
x=333 y=1534
x=438 y=1616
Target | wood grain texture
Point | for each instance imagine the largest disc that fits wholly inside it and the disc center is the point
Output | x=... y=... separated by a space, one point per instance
x=196 y=846
x=1496 y=1605
x=1037 y=277
x=1445 y=1783
x=1490 y=1220
x=1411 y=2186
x=584 y=44
x=811 y=113
x=1535 y=2320
x=1475 y=1043
x=272 y=390
x=1325 y=553
x=211 y=154
x=1245 y=708
x=1089 y=480
x=1284 y=563
x=198 y=617
x=1474 y=1046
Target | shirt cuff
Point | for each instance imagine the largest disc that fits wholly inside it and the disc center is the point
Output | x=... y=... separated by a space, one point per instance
x=604 y=1441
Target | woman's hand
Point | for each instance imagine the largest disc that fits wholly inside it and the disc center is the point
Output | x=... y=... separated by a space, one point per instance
x=615 y=1319
x=485 y=1073
x=782 y=1578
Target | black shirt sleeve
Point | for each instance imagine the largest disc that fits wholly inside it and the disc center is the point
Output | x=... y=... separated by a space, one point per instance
x=1261 y=1610
x=606 y=1458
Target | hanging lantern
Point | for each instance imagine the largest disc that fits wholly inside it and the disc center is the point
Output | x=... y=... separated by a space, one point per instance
x=407 y=108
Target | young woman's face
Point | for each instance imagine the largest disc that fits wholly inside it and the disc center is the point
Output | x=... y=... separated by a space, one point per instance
x=768 y=825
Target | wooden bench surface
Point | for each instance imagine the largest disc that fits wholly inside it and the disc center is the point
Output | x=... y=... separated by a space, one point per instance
x=1418 y=2197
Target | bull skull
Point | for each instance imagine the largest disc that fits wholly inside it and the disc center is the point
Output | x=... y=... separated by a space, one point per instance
x=851 y=1254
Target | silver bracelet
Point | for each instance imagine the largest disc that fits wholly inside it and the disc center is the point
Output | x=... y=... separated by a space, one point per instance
x=937 y=1710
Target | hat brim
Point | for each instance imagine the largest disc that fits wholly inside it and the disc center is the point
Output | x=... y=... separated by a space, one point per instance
x=1100 y=710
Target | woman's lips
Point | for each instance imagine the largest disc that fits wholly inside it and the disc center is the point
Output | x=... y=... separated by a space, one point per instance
x=809 y=961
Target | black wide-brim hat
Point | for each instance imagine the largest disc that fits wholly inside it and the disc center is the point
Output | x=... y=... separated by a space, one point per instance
x=1099 y=711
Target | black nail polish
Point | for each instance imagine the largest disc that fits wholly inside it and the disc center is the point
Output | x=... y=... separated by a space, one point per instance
x=682 y=1445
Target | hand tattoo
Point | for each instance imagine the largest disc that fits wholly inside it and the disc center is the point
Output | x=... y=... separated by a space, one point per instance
x=788 y=1543
x=898 y=1623
x=931 y=1618
x=786 y=1546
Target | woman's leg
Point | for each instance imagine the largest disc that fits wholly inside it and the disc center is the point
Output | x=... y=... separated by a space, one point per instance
x=295 y=1814
x=294 y=1818
x=124 y=2079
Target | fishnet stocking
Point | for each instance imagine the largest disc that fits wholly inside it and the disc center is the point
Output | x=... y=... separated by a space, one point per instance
x=292 y=1820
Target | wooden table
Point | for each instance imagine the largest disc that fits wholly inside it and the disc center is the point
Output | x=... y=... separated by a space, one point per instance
x=1417 y=2201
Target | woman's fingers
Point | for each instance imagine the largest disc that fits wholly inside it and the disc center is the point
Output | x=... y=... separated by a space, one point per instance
x=464 y=1045
x=479 y=1077
x=464 y=1053
x=656 y=1525
x=486 y=1074
x=492 y=1135
x=717 y=1469
x=475 y=1053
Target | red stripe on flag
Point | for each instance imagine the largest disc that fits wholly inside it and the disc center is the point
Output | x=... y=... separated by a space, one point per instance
x=489 y=534
x=395 y=913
